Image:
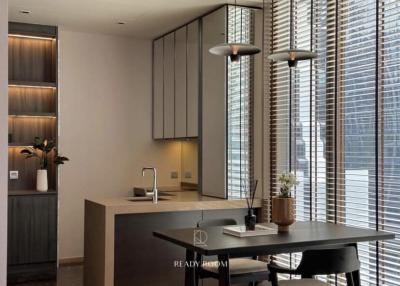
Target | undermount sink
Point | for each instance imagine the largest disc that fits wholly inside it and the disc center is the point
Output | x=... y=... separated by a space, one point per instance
x=145 y=199
x=141 y=192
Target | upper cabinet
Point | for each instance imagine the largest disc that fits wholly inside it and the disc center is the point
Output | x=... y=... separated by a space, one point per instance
x=158 y=89
x=193 y=78
x=176 y=79
x=169 y=86
x=213 y=106
x=181 y=82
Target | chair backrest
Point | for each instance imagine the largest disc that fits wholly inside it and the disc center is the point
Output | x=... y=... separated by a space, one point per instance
x=329 y=261
x=216 y=222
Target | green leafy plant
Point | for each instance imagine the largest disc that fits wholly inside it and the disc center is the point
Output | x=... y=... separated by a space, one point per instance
x=40 y=150
x=287 y=181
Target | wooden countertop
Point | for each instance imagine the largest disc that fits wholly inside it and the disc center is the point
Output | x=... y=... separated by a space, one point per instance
x=177 y=201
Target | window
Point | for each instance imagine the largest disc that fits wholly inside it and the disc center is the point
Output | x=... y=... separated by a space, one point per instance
x=239 y=105
x=335 y=121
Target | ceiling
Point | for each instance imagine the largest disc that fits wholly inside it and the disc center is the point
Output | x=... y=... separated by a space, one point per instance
x=144 y=19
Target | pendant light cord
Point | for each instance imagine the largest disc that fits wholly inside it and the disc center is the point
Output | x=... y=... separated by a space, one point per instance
x=291 y=91
x=291 y=40
x=234 y=40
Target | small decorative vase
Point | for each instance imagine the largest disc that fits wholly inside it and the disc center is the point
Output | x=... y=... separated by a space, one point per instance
x=283 y=213
x=41 y=181
x=250 y=220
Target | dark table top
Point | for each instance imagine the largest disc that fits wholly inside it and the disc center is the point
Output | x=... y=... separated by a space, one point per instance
x=302 y=236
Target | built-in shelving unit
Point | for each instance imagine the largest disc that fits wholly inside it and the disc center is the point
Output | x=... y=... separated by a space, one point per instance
x=33 y=110
x=32 y=96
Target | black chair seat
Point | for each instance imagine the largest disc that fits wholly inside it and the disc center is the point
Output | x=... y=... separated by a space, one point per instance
x=320 y=262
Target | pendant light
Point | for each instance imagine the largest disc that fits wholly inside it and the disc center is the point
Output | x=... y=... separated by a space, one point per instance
x=292 y=55
x=234 y=50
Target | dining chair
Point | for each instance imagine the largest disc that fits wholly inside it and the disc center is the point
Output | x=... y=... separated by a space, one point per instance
x=327 y=261
x=242 y=270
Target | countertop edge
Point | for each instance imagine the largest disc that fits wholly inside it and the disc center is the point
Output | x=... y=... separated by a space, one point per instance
x=139 y=208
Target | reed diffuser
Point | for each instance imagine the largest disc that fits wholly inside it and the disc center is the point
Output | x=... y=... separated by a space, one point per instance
x=251 y=219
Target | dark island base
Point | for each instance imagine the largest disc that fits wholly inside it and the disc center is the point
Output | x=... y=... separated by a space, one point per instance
x=142 y=259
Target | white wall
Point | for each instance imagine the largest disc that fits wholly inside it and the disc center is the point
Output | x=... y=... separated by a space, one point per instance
x=3 y=138
x=105 y=126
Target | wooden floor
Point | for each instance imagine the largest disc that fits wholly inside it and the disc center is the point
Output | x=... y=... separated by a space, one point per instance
x=67 y=276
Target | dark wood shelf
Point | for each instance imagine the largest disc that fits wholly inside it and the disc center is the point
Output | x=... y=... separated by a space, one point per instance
x=33 y=114
x=30 y=193
x=19 y=144
x=37 y=84
x=32 y=30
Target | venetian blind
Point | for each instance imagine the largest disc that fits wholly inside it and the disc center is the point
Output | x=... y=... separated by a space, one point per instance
x=239 y=105
x=388 y=88
x=335 y=121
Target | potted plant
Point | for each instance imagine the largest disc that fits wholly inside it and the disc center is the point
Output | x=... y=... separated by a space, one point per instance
x=41 y=149
x=283 y=204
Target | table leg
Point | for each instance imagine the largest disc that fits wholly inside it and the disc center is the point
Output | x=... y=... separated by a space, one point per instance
x=356 y=278
x=223 y=270
x=189 y=268
x=356 y=274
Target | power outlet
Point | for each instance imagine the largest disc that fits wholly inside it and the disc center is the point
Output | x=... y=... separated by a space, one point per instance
x=188 y=175
x=174 y=175
x=14 y=175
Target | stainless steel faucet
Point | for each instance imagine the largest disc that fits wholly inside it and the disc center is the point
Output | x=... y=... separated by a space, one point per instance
x=154 y=192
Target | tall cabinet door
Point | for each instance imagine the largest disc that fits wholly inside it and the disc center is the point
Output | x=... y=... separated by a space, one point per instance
x=169 y=86
x=32 y=229
x=180 y=82
x=213 y=125
x=193 y=75
x=158 y=89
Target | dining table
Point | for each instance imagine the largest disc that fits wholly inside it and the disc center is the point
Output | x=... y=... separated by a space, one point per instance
x=212 y=241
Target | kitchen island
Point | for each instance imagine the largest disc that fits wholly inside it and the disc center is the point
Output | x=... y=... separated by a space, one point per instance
x=120 y=248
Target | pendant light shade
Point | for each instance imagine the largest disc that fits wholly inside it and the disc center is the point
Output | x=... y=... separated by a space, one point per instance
x=234 y=50
x=292 y=56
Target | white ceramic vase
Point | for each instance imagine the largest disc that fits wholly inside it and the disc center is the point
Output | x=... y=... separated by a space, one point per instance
x=41 y=181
